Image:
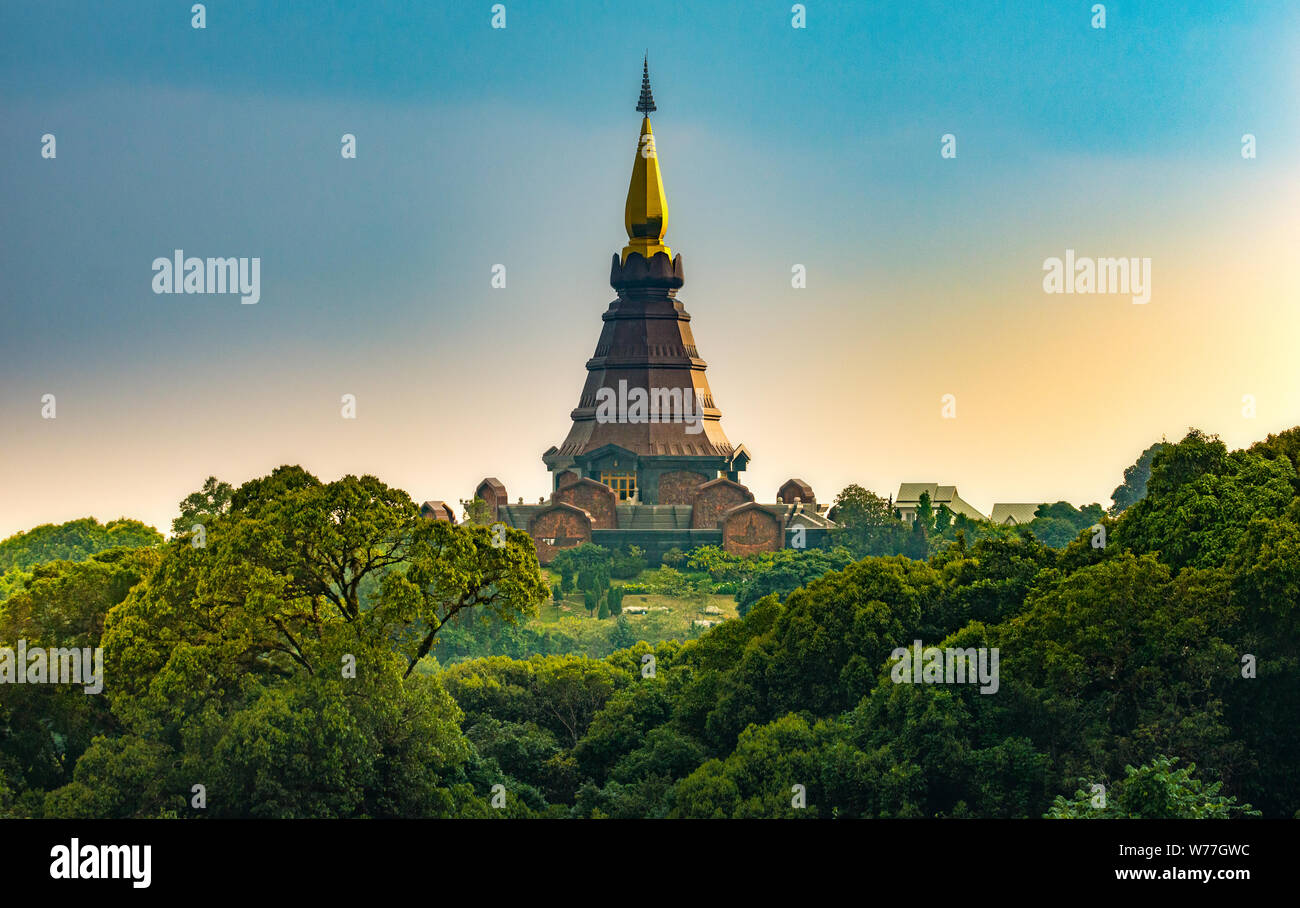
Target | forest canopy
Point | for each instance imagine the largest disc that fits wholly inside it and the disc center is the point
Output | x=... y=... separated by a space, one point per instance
x=279 y=657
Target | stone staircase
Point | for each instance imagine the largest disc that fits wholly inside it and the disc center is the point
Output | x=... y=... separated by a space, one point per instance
x=654 y=517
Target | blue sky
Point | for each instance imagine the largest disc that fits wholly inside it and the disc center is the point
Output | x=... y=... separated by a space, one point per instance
x=1159 y=69
x=480 y=146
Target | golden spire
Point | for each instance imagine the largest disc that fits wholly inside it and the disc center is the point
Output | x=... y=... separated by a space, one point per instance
x=646 y=214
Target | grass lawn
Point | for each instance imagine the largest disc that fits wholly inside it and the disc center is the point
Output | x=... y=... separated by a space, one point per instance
x=679 y=612
x=724 y=602
x=681 y=609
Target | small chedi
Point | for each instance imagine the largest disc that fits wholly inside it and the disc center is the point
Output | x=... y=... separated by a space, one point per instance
x=646 y=462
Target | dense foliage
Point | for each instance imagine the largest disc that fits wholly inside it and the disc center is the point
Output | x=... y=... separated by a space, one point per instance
x=1159 y=658
x=75 y=540
x=266 y=654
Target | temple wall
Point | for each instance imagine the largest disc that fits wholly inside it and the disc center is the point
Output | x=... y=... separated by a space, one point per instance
x=595 y=498
x=556 y=529
x=748 y=531
x=713 y=499
x=678 y=486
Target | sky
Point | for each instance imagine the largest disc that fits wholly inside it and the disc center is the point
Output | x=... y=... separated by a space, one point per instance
x=779 y=146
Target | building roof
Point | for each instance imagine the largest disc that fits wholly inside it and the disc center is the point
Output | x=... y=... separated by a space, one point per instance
x=801 y=515
x=909 y=496
x=438 y=510
x=795 y=488
x=1007 y=514
x=910 y=492
x=646 y=361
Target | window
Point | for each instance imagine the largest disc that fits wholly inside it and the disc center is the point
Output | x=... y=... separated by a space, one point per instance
x=623 y=484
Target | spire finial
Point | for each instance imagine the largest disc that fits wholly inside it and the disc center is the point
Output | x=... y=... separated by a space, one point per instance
x=646 y=212
x=647 y=102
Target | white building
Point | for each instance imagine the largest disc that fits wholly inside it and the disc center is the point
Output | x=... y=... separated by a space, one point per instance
x=909 y=499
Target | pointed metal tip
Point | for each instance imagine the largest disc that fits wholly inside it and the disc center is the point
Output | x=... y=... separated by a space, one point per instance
x=646 y=104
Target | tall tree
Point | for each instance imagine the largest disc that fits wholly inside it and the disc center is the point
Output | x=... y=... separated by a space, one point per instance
x=297 y=573
x=1134 y=486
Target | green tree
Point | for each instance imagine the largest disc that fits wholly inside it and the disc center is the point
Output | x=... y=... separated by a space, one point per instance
x=918 y=539
x=377 y=745
x=571 y=690
x=1059 y=524
x=1200 y=499
x=785 y=571
x=1120 y=661
x=867 y=524
x=203 y=506
x=627 y=562
x=478 y=513
x=1155 y=790
x=623 y=635
x=45 y=728
x=855 y=507
x=75 y=540
x=757 y=779
x=297 y=575
x=1134 y=486
x=588 y=563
